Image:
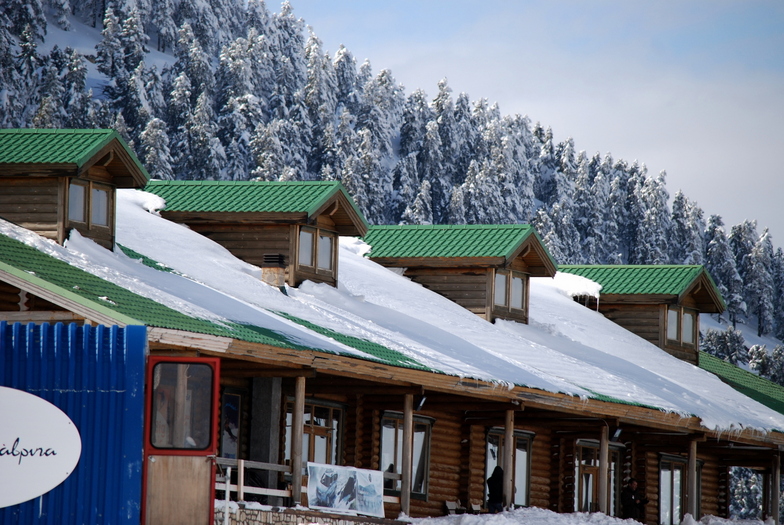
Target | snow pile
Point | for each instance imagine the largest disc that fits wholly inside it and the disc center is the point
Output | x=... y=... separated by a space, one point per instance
x=566 y=348
x=576 y=285
x=536 y=516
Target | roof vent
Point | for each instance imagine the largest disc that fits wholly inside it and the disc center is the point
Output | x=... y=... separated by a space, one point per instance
x=273 y=270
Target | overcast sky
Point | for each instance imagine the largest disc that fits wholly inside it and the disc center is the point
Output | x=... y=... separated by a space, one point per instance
x=695 y=88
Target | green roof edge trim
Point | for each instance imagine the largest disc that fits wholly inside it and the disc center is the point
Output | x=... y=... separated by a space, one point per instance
x=67 y=294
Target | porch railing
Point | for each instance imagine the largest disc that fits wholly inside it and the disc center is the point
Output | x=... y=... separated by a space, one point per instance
x=226 y=466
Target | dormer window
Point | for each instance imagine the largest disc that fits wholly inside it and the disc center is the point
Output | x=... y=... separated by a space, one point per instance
x=681 y=326
x=89 y=203
x=509 y=290
x=317 y=249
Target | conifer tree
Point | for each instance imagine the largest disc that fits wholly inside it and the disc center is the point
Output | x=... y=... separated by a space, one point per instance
x=720 y=263
x=155 y=150
x=420 y=212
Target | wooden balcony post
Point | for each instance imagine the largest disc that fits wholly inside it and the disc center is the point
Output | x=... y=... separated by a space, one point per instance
x=509 y=450
x=604 y=468
x=297 y=430
x=692 y=498
x=775 y=487
x=408 y=444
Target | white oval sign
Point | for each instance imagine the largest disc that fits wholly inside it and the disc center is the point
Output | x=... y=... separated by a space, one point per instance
x=39 y=446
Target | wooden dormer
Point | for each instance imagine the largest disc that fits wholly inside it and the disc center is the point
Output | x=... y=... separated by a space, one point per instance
x=484 y=268
x=660 y=303
x=55 y=180
x=290 y=229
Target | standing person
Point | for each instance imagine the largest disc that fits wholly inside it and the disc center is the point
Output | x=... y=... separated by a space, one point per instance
x=632 y=502
x=495 y=491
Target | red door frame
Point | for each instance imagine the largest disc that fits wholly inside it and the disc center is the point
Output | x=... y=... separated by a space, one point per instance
x=149 y=449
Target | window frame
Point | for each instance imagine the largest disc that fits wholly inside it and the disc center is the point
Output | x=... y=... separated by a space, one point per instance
x=334 y=436
x=680 y=312
x=314 y=267
x=519 y=435
x=615 y=475
x=87 y=212
x=683 y=463
x=397 y=417
x=509 y=277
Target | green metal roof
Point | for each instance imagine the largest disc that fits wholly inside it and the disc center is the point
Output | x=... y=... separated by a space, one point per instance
x=766 y=392
x=638 y=279
x=247 y=196
x=57 y=146
x=468 y=240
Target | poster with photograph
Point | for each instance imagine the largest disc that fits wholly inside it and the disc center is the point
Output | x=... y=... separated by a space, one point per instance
x=345 y=489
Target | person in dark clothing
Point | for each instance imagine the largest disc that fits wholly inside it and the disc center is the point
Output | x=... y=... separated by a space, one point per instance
x=632 y=502
x=495 y=491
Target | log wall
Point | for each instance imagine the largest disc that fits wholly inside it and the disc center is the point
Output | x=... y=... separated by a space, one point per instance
x=466 y=287
x=34 y=203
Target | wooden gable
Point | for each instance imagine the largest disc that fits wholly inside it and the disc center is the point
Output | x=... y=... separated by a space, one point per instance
x=38 y=169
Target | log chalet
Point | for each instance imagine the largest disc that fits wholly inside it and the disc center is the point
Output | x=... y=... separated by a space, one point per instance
x=246 y=389
x=484 y=268
x=660 y=303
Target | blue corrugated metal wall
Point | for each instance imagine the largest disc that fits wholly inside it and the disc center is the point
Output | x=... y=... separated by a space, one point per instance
x=96 y=376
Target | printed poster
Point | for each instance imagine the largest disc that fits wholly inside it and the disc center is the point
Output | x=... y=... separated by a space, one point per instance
x=347 y=490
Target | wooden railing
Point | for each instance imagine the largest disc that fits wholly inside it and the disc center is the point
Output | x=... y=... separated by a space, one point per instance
x=223 y=478
x=226 y=466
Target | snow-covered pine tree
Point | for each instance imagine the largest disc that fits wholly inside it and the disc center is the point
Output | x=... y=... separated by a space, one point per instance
x=742 y=238
x=584 y=212
x=777 y=274
x=760 y=283
x=652 y=239
x=420 y=211
x=416 y=114
x=406 y=182
x=155 y=150
x=720 y=263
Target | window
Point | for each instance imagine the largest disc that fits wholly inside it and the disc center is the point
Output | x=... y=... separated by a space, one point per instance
x=671 y=491
x=317 y=249
x=509 y=291
x=89 y=203
x=521 y=461
x=672 y=488
x=182 y=408
x=321 y=433
x=681 y=325
x=392 y=452
x=586 y=472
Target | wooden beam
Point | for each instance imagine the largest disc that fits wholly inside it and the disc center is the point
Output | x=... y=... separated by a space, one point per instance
x=691 y=490
x=297 y=431
x=775 y=483
x=509 y=450
x=604 y=469
x=408 y=445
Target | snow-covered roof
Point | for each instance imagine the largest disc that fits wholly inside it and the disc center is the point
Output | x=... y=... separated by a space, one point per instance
x=566 y=348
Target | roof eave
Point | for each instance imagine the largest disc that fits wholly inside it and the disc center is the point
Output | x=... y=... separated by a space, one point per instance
x=357 y=226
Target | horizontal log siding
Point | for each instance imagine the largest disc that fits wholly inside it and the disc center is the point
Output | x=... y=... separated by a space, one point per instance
x=643 y=320
x=32 y=203
x=476 y=465
x=9 y=298
x=445 y=464
x=711 y=500
x=542 y=463
x=249 y=242
x=468 y=288
x=650 y=488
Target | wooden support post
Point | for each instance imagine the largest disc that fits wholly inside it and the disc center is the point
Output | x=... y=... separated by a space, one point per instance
x=775 y=487
x=509 y=450
x=692 y=498
x=408 y=445
x=297 y=431
x=604 y=468
x=240 y=480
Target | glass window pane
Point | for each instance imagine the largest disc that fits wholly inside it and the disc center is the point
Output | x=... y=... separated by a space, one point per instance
x=672 y=324
x=419 y=464
x=182 y=406
x=665 y=495
x=518 y=293
x=320 y=450
x=320 y=416
x=325 y=252
x=388 y=457
x=677 y=475
x=521 y=473
x=306 y=248
x=500 y=289
x=306 y=448
x=99 y=207
x=687 y=334
x=76 y=202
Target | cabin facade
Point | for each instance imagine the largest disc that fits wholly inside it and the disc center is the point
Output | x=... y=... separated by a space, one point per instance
x=52 y=181
x=242 y=408
x=660 y=303
x=483 y=268
x=289 y=229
